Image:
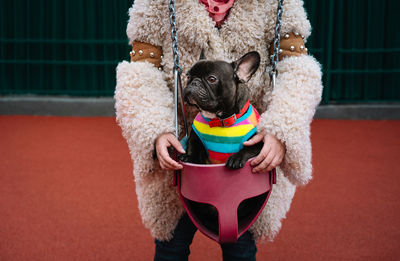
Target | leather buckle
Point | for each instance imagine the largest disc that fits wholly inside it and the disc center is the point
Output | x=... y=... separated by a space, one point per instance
x=227 y=121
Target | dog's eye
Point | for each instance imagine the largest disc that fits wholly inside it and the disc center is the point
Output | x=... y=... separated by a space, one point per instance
x=211 y=79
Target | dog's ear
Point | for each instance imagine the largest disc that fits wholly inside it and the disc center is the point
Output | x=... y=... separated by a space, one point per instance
x=246 y=66
x=202 y=55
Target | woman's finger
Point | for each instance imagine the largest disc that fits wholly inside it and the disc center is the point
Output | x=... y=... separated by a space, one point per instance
x=163 y=155
x=168 y=162
x=165 y=164
x=265 y=163
x=262 y=155
x=160 y=158
x=254 y=140
x=176 y=144
x=162 y=143
x=275 y=162
x=173 y=164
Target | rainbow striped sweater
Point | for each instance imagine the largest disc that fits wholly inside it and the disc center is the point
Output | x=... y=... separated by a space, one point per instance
x=222 y=142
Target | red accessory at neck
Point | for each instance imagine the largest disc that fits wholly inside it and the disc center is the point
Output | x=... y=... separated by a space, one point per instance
x=217 y=122
x=218 y=9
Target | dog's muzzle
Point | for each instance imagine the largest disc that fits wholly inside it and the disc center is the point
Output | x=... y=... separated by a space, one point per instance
x=195 y=93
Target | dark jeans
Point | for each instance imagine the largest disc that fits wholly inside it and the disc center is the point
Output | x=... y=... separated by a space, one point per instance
x=177 y=248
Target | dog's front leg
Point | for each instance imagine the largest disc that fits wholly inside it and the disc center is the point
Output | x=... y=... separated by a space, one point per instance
x=237 y=160
x=195 y=151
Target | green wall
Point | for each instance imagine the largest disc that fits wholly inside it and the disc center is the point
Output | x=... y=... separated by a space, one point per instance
x=358 y=44
x=63 y=47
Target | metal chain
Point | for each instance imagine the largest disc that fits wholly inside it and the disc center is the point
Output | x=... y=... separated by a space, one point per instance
x=275 y=56
x=172 y=20
x=177 y=70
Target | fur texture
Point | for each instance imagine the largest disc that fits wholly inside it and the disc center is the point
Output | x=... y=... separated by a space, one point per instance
x=144 y=101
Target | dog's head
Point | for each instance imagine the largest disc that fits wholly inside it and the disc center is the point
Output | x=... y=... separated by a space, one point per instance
x=218 y=88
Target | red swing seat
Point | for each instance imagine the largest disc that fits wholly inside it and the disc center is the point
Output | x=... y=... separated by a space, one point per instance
x=238 y=196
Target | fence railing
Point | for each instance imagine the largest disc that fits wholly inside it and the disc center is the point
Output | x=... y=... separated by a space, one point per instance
x=358 y=45
x=72 y=47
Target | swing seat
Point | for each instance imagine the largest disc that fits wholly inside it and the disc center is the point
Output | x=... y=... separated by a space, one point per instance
x=223 y=203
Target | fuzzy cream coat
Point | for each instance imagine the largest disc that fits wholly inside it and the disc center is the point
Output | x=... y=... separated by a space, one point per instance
x=144 y=100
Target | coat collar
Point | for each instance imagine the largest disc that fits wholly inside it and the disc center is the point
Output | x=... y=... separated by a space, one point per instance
x=197 y=28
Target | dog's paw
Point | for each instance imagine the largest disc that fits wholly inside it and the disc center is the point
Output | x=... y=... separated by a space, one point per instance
x=235 y=161
x=184 y=157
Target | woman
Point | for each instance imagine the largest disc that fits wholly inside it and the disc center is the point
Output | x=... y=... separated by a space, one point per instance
x=144 y=106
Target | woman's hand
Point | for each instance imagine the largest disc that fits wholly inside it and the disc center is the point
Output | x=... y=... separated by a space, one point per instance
x=271 y=155
x=164 y=141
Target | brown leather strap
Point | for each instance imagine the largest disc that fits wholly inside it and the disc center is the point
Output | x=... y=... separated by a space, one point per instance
x=146 y=52
x=291 y=44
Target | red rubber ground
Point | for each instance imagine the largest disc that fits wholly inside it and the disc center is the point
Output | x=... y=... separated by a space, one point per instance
x=67 y=193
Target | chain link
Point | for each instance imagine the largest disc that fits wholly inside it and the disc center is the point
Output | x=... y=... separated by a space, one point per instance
x=172 y=20
x=275 y=56
x=177 y=71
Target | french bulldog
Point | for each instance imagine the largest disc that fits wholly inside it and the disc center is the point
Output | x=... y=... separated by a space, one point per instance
x=218 y=89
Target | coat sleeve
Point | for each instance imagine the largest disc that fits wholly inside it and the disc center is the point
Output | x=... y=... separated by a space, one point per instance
x=293 y=102
x=143 y=101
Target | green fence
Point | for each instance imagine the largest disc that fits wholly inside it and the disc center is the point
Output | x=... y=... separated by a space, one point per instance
x=358 y=44
x=63 y=47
